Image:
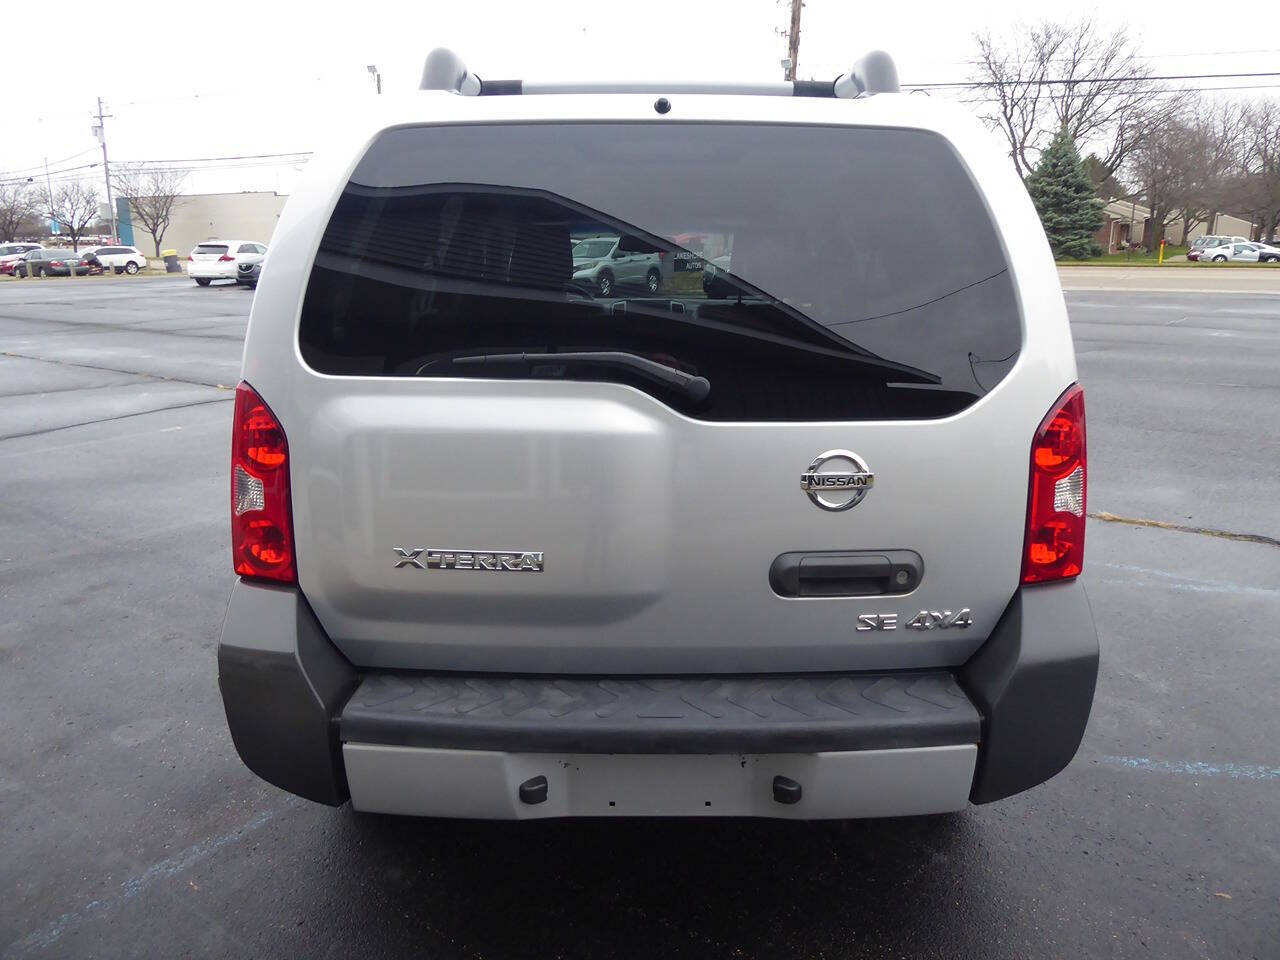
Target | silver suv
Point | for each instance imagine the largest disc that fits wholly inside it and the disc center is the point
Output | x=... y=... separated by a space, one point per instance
x=604 y=263
x=804 y=544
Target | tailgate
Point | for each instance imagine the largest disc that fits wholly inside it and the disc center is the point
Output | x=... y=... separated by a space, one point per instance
x=496 y=468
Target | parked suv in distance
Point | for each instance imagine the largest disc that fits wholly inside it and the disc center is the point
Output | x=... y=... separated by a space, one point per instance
x=120 y=259
x=606 y=263
x=218 y=259
x=806 y=548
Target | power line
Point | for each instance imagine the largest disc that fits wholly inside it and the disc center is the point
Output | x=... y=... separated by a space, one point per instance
x=247 y=156
x=840 y=66
x=232 y=161
x=1171 y=90
x=37 y=167
x=1066 y=81
x=1204 y=53
x=55 y=173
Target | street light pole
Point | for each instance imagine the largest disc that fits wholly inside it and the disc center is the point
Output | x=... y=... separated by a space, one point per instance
x=377 y=77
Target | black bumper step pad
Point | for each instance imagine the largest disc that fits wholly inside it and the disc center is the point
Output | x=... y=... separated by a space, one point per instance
x=709 y=715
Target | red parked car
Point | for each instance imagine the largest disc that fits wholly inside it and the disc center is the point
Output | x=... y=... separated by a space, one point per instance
x=11 y=253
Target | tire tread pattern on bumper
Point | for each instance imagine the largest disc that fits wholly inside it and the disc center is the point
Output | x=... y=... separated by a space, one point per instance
x=671 y=714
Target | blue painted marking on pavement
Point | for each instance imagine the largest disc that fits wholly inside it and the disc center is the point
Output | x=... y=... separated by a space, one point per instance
x=1236 y=771
x=1192 y=584
x=164 y=870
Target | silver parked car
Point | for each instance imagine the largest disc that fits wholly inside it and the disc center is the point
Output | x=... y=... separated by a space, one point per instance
x=807 y=547
x=605 y=263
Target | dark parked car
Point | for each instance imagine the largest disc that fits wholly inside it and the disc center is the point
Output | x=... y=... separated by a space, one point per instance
x=56 y=263
x=248 y=273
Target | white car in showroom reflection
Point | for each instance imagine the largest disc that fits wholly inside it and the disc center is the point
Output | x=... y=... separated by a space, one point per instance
x=605 y=263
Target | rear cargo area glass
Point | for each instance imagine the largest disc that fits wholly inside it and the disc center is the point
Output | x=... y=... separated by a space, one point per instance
x=808 y=273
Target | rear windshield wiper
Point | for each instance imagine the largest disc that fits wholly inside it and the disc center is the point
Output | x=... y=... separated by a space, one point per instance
x=694 y=387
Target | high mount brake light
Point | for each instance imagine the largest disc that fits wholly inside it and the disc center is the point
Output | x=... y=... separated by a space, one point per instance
x=261 y=514
x=1054 y=547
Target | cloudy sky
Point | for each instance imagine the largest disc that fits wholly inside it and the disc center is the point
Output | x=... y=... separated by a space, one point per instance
x=229 y=80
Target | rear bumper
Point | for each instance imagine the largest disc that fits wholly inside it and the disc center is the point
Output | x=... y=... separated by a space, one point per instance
x=486 y=784
x=203 y=270
x=858 y=745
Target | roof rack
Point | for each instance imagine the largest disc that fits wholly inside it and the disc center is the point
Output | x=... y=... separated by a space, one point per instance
x=872 y=74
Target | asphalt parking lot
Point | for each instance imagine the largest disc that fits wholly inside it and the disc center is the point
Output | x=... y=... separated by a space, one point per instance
x=129 y=827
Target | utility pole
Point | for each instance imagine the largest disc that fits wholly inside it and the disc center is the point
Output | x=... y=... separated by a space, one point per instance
x=100 y=132
x=377 y=76
x=793 y=40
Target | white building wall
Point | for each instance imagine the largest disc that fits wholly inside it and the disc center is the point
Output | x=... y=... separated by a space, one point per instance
x=204 y=216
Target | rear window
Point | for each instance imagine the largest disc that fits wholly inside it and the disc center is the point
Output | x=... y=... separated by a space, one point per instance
x=218 y=248
x=807 y=273
x=592 y=249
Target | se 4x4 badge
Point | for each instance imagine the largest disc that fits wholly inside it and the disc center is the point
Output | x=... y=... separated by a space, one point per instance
x=924 y=620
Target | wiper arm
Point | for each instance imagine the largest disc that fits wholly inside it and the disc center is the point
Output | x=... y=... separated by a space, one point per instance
x=694 y=387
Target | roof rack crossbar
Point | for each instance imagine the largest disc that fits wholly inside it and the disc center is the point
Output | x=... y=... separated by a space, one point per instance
x=872 y=74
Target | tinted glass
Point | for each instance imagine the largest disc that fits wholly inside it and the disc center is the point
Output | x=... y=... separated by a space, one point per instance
x=591 y=249
x=806 y=272
x=218 y=248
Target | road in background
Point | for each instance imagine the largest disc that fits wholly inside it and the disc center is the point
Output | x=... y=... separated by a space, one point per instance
x=130 y=828
x=1258 y=278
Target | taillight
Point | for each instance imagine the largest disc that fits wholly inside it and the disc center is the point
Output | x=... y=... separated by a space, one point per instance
x=1054 y=547
x=56 y=263
x=261 y=515
x=226 y=258
x=190 y=258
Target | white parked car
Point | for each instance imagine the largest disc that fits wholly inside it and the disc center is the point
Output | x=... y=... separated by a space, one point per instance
x=1201 y=246
x=1241 y=253
x=218 y=259
x=120 y=259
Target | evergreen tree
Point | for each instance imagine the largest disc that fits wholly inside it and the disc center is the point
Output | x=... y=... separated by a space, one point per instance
x=1064 y=198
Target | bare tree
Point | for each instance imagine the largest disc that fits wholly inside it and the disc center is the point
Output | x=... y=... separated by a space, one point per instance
x=1076 y=76
x=1013 y=75
x=17 y=206
x=1204 y=155
x=1162 y=168
x=1261 y=180
x=152 y=194
x=75 y=206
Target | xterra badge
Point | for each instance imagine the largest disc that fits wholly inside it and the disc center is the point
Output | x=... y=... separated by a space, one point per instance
x=842 y=485
x=508 y=561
